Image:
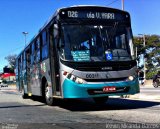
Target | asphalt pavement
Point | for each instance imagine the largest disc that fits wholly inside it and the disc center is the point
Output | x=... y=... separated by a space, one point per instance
x=18 y=113
x=148 y=93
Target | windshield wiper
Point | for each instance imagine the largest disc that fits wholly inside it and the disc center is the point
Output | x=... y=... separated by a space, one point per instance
x=114 y=29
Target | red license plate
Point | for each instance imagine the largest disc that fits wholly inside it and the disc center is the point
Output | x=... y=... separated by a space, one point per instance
x=109 y=89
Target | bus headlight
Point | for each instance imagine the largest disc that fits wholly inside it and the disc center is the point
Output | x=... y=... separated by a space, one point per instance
x=76 y=79
x=79 y=80
x=130 y=78
x=73 y=78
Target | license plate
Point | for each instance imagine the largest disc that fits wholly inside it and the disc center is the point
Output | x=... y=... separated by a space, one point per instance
x=109 y=89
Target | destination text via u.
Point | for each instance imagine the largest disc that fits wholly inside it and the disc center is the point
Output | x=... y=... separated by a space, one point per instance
x=98 y=15
x=91 y=15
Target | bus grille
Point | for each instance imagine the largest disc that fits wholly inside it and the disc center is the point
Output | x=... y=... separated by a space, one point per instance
x=106 y=80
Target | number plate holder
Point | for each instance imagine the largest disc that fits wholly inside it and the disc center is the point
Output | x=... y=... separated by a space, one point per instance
x=109 y=89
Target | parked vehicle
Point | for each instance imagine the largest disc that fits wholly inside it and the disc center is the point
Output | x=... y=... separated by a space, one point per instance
x=3 y=84
x=156 y=82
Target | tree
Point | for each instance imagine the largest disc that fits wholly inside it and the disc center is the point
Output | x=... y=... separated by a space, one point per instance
x=11 y=60
x=151 y=52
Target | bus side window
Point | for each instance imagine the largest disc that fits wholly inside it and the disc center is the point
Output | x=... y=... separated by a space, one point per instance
x=44 y=45
x=24 y=60
x=32 y=53
x=19 y=65
x=44 y=51
x=38 y=50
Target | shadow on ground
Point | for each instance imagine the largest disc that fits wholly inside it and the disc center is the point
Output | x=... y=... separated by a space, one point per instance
x=111 y=104
x=89 y=105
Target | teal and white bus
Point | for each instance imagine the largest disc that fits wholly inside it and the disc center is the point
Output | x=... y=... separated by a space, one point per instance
x=81 y=52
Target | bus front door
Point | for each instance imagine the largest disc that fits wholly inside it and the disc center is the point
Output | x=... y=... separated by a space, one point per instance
x=54 y=63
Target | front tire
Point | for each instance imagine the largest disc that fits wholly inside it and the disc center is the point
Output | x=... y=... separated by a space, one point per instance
x=48 y=95
x=100 y=100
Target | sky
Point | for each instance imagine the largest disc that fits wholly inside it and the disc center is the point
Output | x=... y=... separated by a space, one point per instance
x=17 y=16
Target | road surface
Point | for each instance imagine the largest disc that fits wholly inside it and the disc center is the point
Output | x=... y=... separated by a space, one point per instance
x=17 y=113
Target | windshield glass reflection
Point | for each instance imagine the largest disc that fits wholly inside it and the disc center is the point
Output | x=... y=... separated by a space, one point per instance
x=96 y=43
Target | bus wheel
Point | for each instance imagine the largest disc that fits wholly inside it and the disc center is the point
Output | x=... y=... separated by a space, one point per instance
x=48 y=95
x=24 y=95
x=100 y=100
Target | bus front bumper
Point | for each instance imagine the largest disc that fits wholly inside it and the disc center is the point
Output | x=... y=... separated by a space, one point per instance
x=74 y=90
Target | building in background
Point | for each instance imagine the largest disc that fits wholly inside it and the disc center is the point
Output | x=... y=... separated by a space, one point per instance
x=8 y=75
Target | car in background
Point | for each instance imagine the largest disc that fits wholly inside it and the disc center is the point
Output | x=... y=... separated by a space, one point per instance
x=3 y=84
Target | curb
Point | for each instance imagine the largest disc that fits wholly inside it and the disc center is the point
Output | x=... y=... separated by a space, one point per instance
x=145 y=97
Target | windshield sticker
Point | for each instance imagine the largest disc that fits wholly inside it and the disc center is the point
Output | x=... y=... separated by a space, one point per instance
x=81 y=55
x=109 y=55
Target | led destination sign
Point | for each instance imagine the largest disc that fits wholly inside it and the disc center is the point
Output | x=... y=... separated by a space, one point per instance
x=97 y=15
x=93 y=15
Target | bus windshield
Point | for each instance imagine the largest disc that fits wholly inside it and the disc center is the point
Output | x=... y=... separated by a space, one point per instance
x=97 y=43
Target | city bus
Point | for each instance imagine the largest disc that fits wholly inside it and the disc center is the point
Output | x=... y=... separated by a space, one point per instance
x=81 y=52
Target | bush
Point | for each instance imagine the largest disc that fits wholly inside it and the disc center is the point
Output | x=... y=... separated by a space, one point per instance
x=150 y=75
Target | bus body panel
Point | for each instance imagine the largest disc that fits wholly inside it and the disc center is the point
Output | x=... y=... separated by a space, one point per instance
x=39 y=71
x=35 y=79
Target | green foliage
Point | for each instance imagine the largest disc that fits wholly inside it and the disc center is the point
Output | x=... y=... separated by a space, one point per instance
x=138 y=42
x=151 y=52
x=153 y=41
x=150 y=75
x=11 y=60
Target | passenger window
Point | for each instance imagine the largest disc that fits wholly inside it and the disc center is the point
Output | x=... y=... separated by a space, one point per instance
x=38 y=43
x=38 y=56
x=33 y=48
x=38 y=50
x=44 y=45
x=44 y=37
x=24 y=60
x=32 y=53
x=44 y=52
